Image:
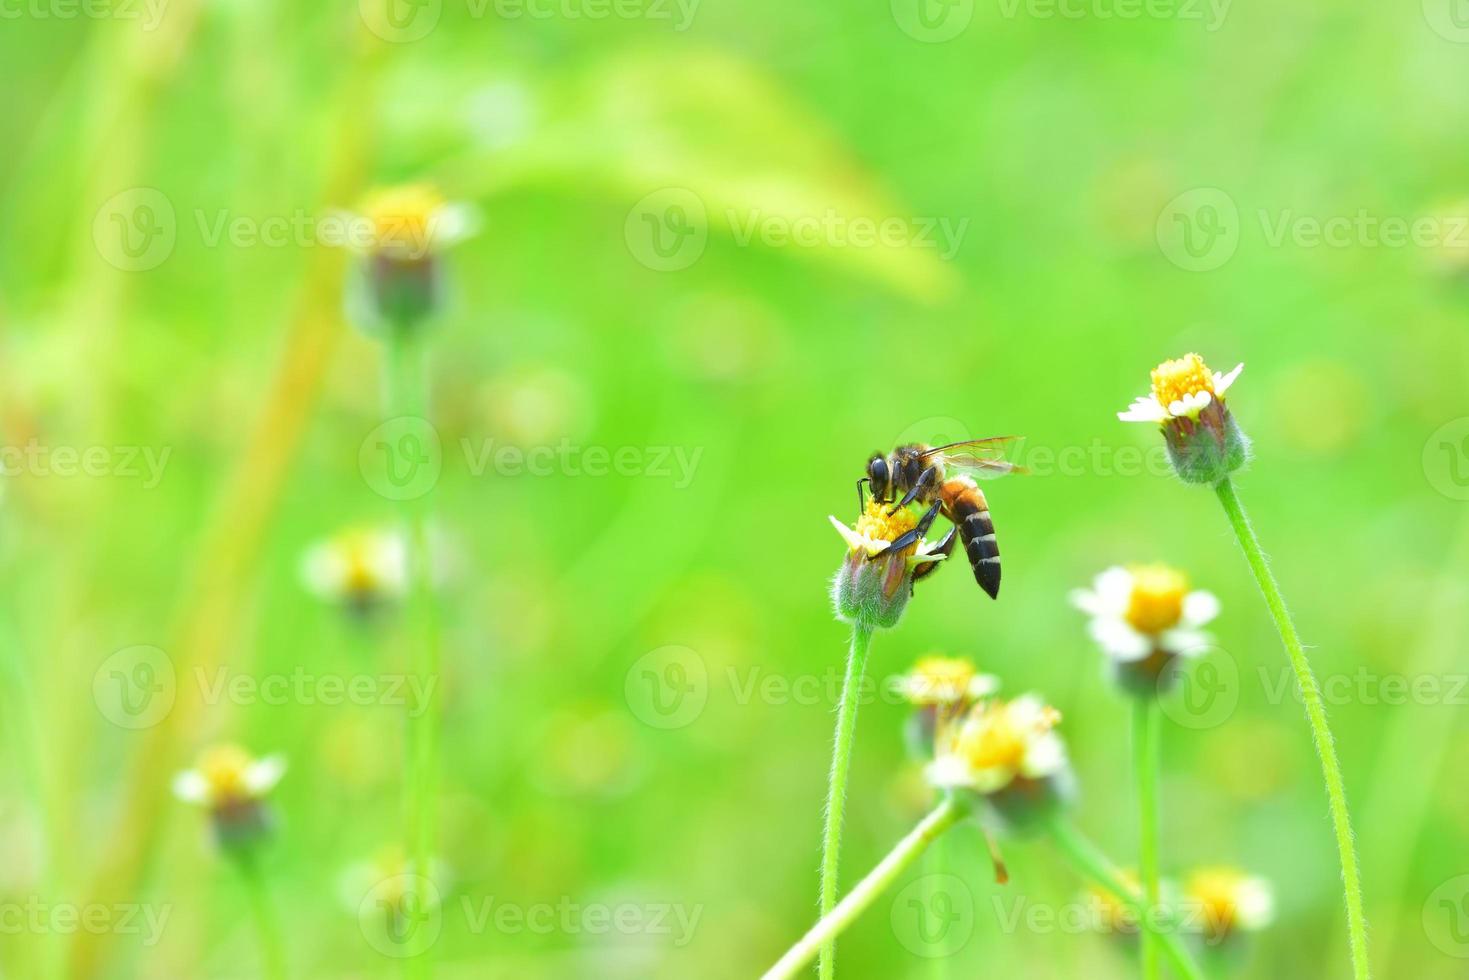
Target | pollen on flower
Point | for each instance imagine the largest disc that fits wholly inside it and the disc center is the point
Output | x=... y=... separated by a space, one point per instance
x=224 y=769
x=878 y=525
x=996 y=737
x=1174 y=381
x=940 y=680
x=1156 y=602
x=402 y=217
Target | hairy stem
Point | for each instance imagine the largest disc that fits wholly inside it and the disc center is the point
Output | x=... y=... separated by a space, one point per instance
x=407 y=396
x=836 y=795
x=1145 y=725
x=832 y=924
x=1092 y=863
x=1320 y=732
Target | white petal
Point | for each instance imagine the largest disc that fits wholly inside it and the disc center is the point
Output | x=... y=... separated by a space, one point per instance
x=983 y=685
x=1199 y=608
x=854 y=540
x=1255 y=905
x=1144 y=410
x=451 y=224
x=263 y=774
x=1044 y=756
x=1114 y=588
x=1223 y=381
x=1190 y=405
x=191 y=787
x=1119 y=640
x=948 y=772
x=1186 y=642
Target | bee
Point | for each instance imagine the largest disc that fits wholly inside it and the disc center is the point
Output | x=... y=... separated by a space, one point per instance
x=941 y=478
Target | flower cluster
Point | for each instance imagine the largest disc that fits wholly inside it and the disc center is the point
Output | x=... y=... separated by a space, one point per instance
x=361 y=569
x=232 y=786
x=875 y=581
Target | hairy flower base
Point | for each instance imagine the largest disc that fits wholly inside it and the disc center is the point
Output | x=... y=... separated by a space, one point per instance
x=1207 y=449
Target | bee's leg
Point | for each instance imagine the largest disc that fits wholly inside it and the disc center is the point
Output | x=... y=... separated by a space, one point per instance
x=912 y=537
x=925 y=478
x=861 y=500
x=945 y=547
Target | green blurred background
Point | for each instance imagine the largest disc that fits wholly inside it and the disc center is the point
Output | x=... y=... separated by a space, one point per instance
x=1117 y=189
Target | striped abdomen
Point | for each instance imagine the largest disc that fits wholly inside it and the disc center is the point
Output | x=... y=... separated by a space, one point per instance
x=966 y=508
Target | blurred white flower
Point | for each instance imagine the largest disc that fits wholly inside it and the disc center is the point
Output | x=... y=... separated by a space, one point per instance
x=1138 y=611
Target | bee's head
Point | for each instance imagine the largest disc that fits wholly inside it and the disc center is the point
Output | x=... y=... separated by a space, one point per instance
x=880 y=476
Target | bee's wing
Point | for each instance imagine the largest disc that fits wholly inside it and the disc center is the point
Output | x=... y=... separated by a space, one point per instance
x=979 y=457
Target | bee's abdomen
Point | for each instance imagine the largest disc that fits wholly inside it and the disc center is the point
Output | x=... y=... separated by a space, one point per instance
x=966 y=507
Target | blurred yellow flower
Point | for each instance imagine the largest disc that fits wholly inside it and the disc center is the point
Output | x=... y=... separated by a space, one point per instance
x=411 y=221
x=227 y=776
x=998 y=743
x=359 y=567
x=945 y=682
x=1145 y=609
x=1220 y=901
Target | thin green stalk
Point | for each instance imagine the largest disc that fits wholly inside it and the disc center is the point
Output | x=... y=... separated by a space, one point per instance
x=1092 y=863
x=1145 y=749
x=824 y=933
x=1320 y=732
x=272 y=948
x=407 y=395
x=836 y=795
x=934 y=867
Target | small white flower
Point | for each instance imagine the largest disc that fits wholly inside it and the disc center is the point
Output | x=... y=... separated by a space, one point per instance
x=999 y=742
x=361 y=565
x=407 y=223
x=227 y=774
x=1225 y=900
x=946 y=681
x=1136 y=611
x=1181 y=389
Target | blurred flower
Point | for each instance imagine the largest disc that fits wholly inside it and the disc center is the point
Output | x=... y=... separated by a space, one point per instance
x=400 y=233
x=1223 y=901
x=1187 y=400
x=1008 y=753
x=875 y=581
x=232 y=786
x=940 y=690
x=1145 y=616
x=361 y=568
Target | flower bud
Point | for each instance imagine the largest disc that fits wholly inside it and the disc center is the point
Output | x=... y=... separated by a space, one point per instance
x=1204 y=442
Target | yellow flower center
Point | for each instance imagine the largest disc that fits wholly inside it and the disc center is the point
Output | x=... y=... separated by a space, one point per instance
x=995 y=738
x=1156 y=603
x=223 y=768
x=876 y=523
x=402 y=218
x=1172 y=380
x=940 y=680
x=1216 y=891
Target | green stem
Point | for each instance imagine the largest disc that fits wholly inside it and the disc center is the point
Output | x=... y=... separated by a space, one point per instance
x=1145 y=725
x=406 y=392
x=1092 y=863
x=935 y=865
x=272 y=949
x=1320 y=732
x=836 y=795
x=832 y=924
